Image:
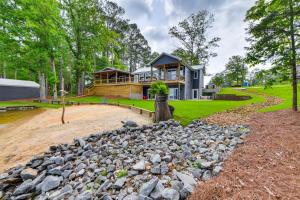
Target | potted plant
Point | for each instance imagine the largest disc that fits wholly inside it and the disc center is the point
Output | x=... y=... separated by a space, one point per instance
x=160 y=90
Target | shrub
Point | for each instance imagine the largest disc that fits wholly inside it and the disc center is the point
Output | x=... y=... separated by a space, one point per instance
x=159 y=88
x=121 y=173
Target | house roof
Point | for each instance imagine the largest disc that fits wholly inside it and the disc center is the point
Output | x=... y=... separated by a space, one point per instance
x=165 y=54
x=18 y=83
x=143 y=70
x=197 y=67
x=111 y=69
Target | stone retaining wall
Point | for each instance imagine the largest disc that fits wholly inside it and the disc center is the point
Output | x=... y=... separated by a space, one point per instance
x=231 y=97
x=17 y=108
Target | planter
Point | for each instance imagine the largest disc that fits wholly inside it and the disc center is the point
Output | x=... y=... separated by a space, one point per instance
x=162 y=111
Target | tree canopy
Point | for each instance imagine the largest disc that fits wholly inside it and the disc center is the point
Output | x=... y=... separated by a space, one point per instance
x=274 y=31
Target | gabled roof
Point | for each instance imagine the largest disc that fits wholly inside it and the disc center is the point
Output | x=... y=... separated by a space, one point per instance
x=165 y=54
x=111 y=69
x=18 y=83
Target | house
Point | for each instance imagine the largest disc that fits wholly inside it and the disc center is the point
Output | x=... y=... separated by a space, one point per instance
x=11 y=89
x=184 y=82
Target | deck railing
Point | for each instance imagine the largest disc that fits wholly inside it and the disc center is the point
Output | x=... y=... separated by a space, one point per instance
x=126 y=80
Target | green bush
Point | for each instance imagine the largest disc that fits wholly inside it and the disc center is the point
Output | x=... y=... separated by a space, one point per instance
x=121 y=173
x=159 y=88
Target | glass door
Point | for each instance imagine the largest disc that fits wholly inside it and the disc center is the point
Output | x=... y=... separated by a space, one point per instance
x=173 y=93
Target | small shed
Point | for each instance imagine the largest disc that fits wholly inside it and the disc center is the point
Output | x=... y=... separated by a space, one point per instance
x=11 y=89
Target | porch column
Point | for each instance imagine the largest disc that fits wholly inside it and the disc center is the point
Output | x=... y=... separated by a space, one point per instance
x=151 y=78
x=178 y=72
x=179 y=96
x=116 y=77
x=107 y=77
x=129 y=79
x=165 y=74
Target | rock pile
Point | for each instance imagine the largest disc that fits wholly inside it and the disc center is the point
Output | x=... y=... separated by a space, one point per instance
x=160 y=161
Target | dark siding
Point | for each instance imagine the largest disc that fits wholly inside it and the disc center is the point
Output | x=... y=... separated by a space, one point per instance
x=12 y=93
x=165 y=60
x=195 y=82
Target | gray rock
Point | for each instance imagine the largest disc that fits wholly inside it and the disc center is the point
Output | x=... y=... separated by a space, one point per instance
x=55 y=171
x=148 y=187
x=23 y=196
x=57 y=160
x=49 y=183
x=132 y=196
x=186 y=191
x=157 y=192
x=155 y=169
x=170 y=194
x=3 y=176
x=81 y=172
x=206 y=175
x=176 y=185
x=129 y=124
x=140 y=166
x=186 y=179
x=28 y=173
x=155 y=159
x=142 y=197
x=164 y=168
x=217 y=169
x=26 y=187
x=79 y=141
x=86 y=195
x=120 y=183
x=80 y=167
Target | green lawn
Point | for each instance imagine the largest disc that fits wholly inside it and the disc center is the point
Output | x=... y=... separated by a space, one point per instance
x=283 y=92
x=27 y=103
x=185 y=111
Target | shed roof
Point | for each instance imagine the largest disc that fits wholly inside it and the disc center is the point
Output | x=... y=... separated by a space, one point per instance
x=197 y=67
x=143 y=70
x=18 y=83
x=111 y=69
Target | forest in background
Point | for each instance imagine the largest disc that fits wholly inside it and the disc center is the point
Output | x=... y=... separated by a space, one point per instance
x=44 y=41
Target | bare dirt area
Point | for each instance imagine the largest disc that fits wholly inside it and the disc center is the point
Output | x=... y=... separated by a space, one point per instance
x=21 y=140
x=267 y=166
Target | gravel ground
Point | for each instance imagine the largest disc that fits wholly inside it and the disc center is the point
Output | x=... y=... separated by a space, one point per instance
x=160 y=161
x=267 y=166
x=19 y=141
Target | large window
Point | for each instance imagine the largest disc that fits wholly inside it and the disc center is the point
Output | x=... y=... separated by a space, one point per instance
x=172 y=74
x=173 y=93
x=196 y=75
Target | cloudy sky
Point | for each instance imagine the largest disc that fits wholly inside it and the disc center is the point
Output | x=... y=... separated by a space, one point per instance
x=154 y=17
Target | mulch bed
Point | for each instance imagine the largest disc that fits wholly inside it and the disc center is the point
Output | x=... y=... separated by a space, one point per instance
x=267 y=166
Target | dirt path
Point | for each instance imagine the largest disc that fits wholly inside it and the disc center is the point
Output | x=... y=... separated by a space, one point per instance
x=20 y=141
x=267 y=166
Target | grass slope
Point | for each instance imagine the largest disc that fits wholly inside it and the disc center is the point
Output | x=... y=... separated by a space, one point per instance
x=283 y=92
x=185 y=111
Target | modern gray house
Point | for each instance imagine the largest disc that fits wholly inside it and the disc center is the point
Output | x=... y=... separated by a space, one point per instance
x=184 y=82
x=11 y=89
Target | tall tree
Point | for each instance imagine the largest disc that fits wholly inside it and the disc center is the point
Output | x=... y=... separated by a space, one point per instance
x=192 y=33
x=274 y=36
x=86 y=34
x=236 y=69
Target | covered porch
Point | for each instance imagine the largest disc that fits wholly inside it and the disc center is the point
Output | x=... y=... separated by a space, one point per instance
x=112 y=75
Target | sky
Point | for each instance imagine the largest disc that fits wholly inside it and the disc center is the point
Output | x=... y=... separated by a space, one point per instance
x=155 y=17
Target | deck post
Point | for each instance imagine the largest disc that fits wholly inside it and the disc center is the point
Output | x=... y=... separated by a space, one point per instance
x=165 y=74
x=178 y=72
x=116 y=77
x=151 y=79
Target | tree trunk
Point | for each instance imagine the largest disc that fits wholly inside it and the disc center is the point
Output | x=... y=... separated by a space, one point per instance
x=63 y=100
x=4 y=69
x=16 y=73
x=162 y=111
x=54 y=74
x=42 y=87
x=293 y=58
x=61 y=73
x=46 y=86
